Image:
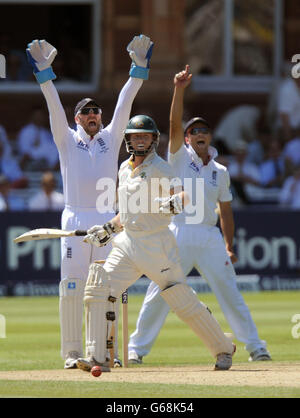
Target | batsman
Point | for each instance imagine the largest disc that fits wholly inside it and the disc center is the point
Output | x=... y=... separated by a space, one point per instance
x=86 y=154
x=143 y=244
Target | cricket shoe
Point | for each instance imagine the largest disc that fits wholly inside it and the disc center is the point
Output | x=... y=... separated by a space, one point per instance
x=260 y=354
x=71 y=360
x=134 y=358
x=224 y=360
x=86 y=364
x=117 y=363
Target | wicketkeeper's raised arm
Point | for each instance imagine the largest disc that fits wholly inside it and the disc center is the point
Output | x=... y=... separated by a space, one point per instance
x=140 y=52
x=40 y=55
x=181 y=81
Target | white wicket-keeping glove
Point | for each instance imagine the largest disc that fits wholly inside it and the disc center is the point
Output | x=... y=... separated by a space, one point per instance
x=40 y=55
x=140 y=51
x=100 y=235
x=170 y=205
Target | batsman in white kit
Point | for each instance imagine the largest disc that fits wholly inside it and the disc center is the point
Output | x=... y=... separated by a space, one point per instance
x=148 y=197
x=201 y=244
x=87 y=155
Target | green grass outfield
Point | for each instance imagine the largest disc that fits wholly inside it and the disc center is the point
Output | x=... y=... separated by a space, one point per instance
x=33 y=342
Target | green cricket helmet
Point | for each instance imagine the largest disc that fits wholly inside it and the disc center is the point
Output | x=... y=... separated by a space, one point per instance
x=140 y=124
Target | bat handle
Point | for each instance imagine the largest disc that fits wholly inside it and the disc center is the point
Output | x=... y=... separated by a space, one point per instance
x=80 y=233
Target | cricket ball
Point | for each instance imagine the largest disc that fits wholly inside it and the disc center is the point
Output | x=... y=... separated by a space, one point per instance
x=96 y=371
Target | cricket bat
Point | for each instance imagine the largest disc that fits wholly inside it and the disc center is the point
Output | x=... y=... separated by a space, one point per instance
x=48 y=233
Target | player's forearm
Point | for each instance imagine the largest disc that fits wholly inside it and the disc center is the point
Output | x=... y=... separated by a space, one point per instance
x=176 y=115
x=227 y=227
x=124 y=105
x=116 y=223
x=58 y=120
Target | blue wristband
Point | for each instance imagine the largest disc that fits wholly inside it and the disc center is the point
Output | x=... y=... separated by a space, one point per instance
x=139 y=72
x=45 y=75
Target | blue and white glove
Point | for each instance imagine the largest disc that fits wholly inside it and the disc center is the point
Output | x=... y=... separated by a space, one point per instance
x=140 y=51
x=40 y=55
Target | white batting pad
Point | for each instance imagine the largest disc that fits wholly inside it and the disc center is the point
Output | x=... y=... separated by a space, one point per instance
x=71 y=313
x=185 y=303
x=97 y=305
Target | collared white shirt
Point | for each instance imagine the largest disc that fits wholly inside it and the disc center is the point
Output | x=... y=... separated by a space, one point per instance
x=138 y=189
x=85 y=162
x=10 y=168
x=292 y=151
x=40 y=201
x=290 y=193
x=187 y=165
x=236 y=124
x=38 y=143
x=289 y=101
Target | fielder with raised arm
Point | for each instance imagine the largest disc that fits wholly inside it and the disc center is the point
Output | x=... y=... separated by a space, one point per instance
x=201 y=245
x=86 y=155
x=144 y=245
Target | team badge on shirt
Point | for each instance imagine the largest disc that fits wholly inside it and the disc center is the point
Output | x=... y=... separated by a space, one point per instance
x=194 y=167
x=214 y=178
x=82 y=145
x=103 y=147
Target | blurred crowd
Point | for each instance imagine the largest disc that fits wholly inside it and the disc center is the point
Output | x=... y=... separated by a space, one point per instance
x=261 y=153
x=261 y=149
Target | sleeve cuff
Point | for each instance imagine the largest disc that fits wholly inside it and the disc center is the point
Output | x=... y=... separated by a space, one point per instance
x=45 y=75
x=139 y=72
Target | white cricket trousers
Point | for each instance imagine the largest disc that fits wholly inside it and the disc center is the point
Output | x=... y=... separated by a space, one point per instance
x=134 y=254
x=76 y=257
x=201 y=247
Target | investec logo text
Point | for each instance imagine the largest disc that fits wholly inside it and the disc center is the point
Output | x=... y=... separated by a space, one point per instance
x=2 y=66
x=270 y=250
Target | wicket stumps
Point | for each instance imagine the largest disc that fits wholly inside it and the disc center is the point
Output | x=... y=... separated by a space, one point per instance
x=125 y=327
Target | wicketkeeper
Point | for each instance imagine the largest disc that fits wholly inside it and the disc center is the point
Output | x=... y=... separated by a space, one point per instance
x=86 y=155
x=144 y=245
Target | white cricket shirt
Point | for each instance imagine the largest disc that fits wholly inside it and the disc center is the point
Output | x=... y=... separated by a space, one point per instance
x=138 y=189
x=187 y=165
x=84 y=161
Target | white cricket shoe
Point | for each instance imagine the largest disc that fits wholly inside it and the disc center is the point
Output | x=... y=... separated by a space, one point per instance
x=224 y=360
x=117 y=362
x=261 y=354
x=134 y=358
x=71 y=360
x=86 y=364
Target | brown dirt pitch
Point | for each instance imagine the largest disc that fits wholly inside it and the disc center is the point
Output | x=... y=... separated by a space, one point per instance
x=265 y=374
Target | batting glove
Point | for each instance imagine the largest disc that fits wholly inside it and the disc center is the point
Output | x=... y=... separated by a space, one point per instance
x=40 y=55
x=170 y=205
x=100 y=235
x=140 y=51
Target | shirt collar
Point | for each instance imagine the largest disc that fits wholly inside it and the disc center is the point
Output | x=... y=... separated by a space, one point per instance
x=212 y=152
x=86 y=137
x=147 y=161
